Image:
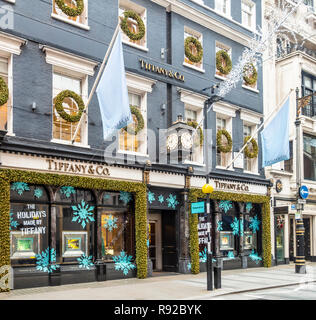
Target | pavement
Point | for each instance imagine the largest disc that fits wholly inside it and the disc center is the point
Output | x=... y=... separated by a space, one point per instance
x=236 y=284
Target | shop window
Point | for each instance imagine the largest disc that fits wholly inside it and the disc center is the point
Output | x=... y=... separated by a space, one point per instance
x=252 y=228
x=81 y=20
x=223 y=158
x=309 y=157
x=29 y=212
x=223 y=7
x=220 y=47
x=5 y=109
x=250 y=164
x=248 y=14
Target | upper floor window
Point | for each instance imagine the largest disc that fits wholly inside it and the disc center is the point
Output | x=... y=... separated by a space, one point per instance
x=133 y=28
x=71 y=11
x=309 y=157
x=223 y=60
x=223 y=6
x=288 y=164
x=248 y=14
x=5 y=109
x=309 y=88
x=250 y=164
x=223 y=158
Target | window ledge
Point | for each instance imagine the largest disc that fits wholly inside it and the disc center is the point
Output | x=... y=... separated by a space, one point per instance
x=251 y=89
x=193 y=67
x=135 y=45
x=220 y=77
x=133 y=153
x=281 y=172
x=251 y=172
x=76 y=144
x=197 y=164
x=77 y=24
x=224 y=168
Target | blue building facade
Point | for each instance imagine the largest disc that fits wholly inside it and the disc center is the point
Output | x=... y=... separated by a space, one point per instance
x=46 y=51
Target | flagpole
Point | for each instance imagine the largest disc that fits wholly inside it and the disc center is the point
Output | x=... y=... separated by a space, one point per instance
x=259 y=128
x=97 y=79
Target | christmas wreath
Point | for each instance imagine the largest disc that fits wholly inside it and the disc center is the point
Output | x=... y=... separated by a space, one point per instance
x=71 y=12
x=194 y=124
x=220 y=56
x=255 y=149
x=138 y=120
x=141 y=26
x=220 y=146
x=250 y=79
x=4 y=92
x=189 y=42
x=60 y=109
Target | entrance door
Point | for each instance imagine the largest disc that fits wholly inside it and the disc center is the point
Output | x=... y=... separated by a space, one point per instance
x=291 y=244
x=155 y=241
x=169 y=242
x=307 y=226
x=279 y=236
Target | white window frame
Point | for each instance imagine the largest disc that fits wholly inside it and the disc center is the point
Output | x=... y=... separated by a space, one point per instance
x=221 y=46
x=76 y=67
x=199 y=36
x=84 y=26
x=142 y=11
x=253 y=14
x=228 y=13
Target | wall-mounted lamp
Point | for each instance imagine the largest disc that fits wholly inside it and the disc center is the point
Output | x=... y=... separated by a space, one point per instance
x=34 y=106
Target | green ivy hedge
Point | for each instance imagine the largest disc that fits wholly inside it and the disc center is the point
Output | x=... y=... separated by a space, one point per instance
x=7 y=176
x=196 y=194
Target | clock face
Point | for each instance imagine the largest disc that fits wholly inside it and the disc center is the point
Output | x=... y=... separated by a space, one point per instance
x=172 y=141
x=186 y=140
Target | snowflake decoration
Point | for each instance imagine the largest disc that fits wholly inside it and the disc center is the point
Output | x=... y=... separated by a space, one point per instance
x=13 y=223
x=254 y=224
x=126 y=197
x=255 y=257
x=67 y=191
x=20 y=187
x=106 y=197
x=38 y=193
x=83 y=213
x=85 y=262
x=151 y=197
x=235 y=226
x=225 y=205
x=241 y=227
x=203 y=255
x=148 y=243
x=230 y=255
x=161 y=199
x=219 y=225
x=123 y=262
x=172 y=201
x=110 y=223
x=189 y=266
x=42 y=261
x=248 y=206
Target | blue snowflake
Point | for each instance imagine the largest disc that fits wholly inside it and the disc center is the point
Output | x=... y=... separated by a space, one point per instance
x=151 y=197
x=110 y=223
x=235 y=226
x=126 y=197
x=67 y=191
x=148 y=243
x=230 y=255
x=248 y=206
x=254 y=224
x=161 y=199
x=203 y=255
x=123 y=262
x=225 y=205
x=13 y=223
x=83 y=213
x=241 y=228
x=189 y=266
x=20 y=187
x=219 y=225
x=42 y=261
x=85 y=262
x=106 y=197
x=38 y=193
x=255 y=257
x=172 y=201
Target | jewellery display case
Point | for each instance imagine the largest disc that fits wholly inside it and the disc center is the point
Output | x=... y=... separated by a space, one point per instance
x=74 y=243
x=24 y=246
x=226 y=240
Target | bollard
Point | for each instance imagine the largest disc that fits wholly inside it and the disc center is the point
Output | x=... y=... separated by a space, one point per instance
x=217 y=277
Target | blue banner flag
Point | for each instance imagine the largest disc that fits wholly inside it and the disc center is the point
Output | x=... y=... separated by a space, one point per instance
x=112 y=92
x=275 y=137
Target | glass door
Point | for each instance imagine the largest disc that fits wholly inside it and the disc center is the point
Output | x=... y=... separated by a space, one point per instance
x=154 y=239
x=279 y=233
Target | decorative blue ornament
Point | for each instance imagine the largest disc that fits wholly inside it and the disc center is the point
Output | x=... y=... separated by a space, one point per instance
x=20 y=187
x=161 y=199
x=235 y=226
x=230 y=255
x=241 y=233
x=255 y=257
x=67 y=191
x=148 y=243
x=110 y=223
x=254 y=224
x=172 y=201
x=151 y=197
x=83 y=213
x=85 y=262
x=38 y=193
x=106 y=197
x=123 y=262
x=248 y=206
x=203 y=255
x=219 y=225
x=126 y=197
x=225 y=205
x=13 y=223
x=189 y=266
x=42 y=261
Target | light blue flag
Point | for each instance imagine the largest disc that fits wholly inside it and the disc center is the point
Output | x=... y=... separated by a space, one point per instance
x=275 y=137
x=112 y=92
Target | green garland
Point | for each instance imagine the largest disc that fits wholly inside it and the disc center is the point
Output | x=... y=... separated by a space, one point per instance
x=222 y=54
x=141 y=26
x=60 y=109
x=194 y=124
x=8 y=176
x=4 y=92
x=220 y=147
x=196 y=194
x=187 y=44
x=255 y=148
x=140 y=121
x=253 y=79
x=71 y=12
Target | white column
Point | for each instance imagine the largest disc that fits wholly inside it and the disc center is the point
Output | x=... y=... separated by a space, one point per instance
x=313 y=242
